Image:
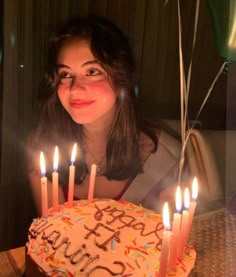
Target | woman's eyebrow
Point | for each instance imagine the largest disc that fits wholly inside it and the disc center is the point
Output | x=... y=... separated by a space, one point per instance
x=84 y=64
x=90 y=62
x=62 y=65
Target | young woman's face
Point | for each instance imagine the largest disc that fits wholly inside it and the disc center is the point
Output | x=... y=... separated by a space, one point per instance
x=84 y=89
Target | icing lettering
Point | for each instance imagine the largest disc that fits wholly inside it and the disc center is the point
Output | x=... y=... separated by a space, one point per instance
x=75 y=254
x=99 y=214
x=116 y=214
x=41 y=226
x=102 y=234
x=88 y=262
x=52 y=237
x=141 y=226
x=122 y=270
x=119 y=216
x=103 y=245
x=63 y=241
x=115 y=236
x=126 y=224
x=73 y=257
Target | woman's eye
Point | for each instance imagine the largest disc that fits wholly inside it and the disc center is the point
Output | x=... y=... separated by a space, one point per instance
x=65 y=77
x=93 y=72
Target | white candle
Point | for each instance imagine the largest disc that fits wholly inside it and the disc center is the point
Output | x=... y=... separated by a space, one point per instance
x=165 y=246
x=44 y=190
x=175 y=230
x=184 y=225
x=193 y=204
x=72 y=177
x=55 y=181
x=92 y=181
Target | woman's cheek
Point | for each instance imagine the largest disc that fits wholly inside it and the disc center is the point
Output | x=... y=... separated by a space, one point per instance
x=62 y=91
x=63 y=97
x=101 y=89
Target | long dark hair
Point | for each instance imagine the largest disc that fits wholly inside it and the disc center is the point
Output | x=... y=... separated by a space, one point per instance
x=111 y=48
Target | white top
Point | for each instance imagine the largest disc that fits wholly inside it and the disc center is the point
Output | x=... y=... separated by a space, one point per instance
x=160 y=171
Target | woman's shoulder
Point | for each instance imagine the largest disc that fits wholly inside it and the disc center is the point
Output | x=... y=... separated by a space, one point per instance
x=166 y=143
x=147 y=143
x=170 y=143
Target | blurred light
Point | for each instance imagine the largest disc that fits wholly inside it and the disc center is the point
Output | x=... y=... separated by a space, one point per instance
x=122 y=94
x=136 y=90
x=12 y=39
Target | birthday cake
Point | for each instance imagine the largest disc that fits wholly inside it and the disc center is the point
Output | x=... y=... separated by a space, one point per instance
x=99 y=238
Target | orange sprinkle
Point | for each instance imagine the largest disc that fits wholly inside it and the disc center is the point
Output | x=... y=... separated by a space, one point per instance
x=134 y=242
x=137 y=263
x=135 y=248
x=52 y=266
x=130 y=266
x=66 y=220
x=140 y=212
x=180 y=261
x=144 y=252
x=70 y=274
x=50 y=257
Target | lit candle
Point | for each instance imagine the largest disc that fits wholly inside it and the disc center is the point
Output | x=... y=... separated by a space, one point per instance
x=72 y=177
x=165 y=246
x=175 y=229
x=44 y=190
x=184 y=225
x=92 y=181
x=193 y=204
x=55 y=181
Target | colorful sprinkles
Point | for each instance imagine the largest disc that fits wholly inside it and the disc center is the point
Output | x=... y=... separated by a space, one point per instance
x=140 y=254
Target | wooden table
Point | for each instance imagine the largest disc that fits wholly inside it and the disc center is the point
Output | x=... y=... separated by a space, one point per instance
x=214 y=236
x=12 y=262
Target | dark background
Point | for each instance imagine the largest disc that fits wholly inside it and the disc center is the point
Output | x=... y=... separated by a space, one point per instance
x=153 y=29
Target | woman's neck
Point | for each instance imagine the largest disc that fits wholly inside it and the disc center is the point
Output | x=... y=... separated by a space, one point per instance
x=99 y=130
x=95 y=140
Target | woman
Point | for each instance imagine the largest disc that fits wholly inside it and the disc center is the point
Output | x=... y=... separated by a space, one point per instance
x=89 y=99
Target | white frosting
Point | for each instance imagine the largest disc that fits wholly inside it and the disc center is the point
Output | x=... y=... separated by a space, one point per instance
x=100 y=238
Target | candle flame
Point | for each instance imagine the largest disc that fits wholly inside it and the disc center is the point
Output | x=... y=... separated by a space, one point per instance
x=178 y=199
x=195 y=188
x=186 y=198
x=166 y=216
x=73 y=153
x=42 y=164
x=55 y=160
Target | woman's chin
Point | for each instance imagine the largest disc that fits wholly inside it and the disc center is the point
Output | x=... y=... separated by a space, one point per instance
x=82 y=121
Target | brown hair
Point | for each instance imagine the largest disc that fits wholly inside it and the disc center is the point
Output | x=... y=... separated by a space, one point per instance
x=111 y=48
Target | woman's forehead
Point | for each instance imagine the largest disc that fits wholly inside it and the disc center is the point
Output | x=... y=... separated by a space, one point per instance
x=75 y=50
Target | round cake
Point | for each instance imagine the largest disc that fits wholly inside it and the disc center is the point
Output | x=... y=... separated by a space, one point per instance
x=99 y=238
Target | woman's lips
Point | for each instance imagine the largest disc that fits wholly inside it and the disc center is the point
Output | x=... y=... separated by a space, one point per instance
x=78 y=104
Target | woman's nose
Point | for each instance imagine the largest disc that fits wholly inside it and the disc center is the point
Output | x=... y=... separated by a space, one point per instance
x=78 y=82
